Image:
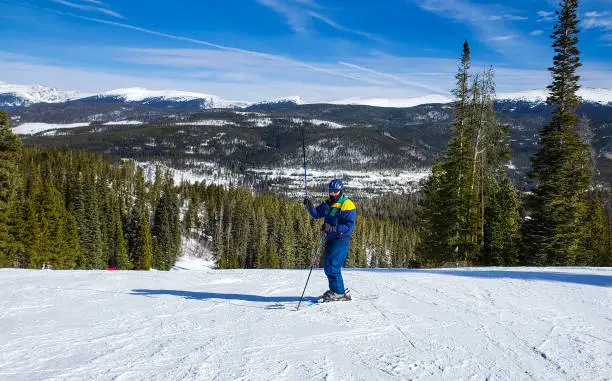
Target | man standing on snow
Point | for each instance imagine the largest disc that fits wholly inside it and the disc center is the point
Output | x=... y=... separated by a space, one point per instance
x=339 y=213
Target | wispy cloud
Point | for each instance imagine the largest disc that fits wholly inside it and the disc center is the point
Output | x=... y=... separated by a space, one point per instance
x=395 y=78
x=545 y=16
x=536 y=32
x=482 y=19
x=597 y=14
x=545 y=13
x=299 y=15
x=295 y=16
x=90 y=8
x=607 y=37
x=600 y=22
x=501 y=38
x=271 y=57
x=339 y=27
x=507 y=17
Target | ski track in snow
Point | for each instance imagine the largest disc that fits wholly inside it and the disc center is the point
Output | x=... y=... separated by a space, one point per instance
x=447 y=324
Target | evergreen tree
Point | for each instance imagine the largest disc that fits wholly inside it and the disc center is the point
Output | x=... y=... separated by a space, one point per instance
x=143 y=254
x=501 y=227
x=10 y=182
x=90 y=227
x=558 y=206
x=596 y=247
x=122 y=258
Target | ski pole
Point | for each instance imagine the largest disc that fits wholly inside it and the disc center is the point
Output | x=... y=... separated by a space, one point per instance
x=311 y=267
x=304 y=154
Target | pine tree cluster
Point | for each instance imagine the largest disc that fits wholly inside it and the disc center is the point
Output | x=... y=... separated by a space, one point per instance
x=470 y=209
x=72 y=210
x=267 y=231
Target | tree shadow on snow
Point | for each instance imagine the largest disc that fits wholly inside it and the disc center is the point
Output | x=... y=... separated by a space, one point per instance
x=197 y=295
x=550 y=276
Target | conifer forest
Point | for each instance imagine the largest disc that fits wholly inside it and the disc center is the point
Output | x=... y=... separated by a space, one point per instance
x=72 y=209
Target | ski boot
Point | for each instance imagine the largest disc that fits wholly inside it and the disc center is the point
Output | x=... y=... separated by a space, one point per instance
x=334 y=297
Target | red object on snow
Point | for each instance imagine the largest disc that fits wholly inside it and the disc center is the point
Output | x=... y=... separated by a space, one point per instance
x=111 y=268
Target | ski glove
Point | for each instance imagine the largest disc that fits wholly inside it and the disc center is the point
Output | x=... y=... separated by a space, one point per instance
x=328 y=228
x=308 y=204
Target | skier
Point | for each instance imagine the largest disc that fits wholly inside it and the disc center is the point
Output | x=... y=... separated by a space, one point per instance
x=339 y=213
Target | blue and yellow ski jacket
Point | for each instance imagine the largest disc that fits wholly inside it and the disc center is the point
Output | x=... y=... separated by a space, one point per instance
x=340 y=214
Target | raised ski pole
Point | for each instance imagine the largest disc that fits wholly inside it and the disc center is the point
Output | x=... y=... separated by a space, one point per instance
x=304 y=155
x=319 y=246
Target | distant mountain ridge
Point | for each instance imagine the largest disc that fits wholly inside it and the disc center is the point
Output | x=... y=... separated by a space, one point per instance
x=13 y=96
x=24 y=95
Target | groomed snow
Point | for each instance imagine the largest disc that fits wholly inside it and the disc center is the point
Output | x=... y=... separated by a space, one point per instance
x=34 y=128
x=451 y=324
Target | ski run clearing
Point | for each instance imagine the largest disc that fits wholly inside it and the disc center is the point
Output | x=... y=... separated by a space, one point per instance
x=445 y=324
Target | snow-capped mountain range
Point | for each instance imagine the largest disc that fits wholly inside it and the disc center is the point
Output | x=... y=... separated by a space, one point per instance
x=23 y=95
x=146 y=96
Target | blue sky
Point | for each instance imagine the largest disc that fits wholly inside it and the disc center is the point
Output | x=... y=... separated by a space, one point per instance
x=318 y=49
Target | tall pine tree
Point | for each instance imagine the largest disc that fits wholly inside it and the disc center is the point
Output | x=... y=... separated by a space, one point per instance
x=560 y=172
x=10 y=181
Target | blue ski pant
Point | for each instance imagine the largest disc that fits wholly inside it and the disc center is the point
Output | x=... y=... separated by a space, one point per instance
x=336 y=251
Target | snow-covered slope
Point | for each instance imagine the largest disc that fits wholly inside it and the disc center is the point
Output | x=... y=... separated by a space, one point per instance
x=146 y=96
x=35 y=128
x=294 y=99
x=588 y=94
x=451 y=324
x=393 y=102
x=24 y=95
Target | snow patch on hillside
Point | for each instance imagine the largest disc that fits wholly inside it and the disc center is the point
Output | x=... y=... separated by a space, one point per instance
x=207 y=122
x=392 y=102
x=123 y=122
x=261 y=122
x=318 y=122
x=34 y=128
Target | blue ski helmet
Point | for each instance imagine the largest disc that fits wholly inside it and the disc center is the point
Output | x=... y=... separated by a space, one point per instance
x=335 y=185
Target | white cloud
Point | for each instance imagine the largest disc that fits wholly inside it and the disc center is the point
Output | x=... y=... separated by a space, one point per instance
x=515 y=18
x=214 y=63
x=596 y=14
x=337 y=26
x=225 y=48
x=536 y=32
x=298 y=14
x=482 y=17
x=606 y=37
x=395 y=74
x=89 y=7
x=507 y=17
x=545 y=16
x=395 y=78
x=597 y=22
x=501 y=38
x=545 y=13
